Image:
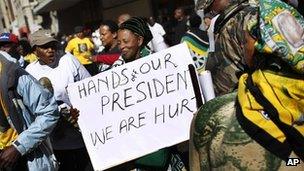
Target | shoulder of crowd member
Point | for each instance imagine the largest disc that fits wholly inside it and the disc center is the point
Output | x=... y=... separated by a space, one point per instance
x=72 y=44
x=31 y=57
x=120 y=61
x=90 y=41
x=76 y=67
x=8 y=56
x=242 y=11
x=160 y=29
x=31 y=66
x=73 y=39
x=145 y=51
x=69 y=59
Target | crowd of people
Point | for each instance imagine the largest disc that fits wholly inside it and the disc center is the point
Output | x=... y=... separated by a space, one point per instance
x=255 y=122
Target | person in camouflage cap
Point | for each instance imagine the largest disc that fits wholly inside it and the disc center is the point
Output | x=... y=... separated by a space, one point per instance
x=228 y=59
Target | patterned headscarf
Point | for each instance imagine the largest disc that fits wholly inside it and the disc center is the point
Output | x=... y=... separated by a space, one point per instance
x=139 y=26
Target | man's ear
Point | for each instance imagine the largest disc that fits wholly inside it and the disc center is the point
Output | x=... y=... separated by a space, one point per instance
x=140 y=41
x=35 y=51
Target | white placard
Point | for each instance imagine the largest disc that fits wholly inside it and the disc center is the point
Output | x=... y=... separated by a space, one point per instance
x=137 y=108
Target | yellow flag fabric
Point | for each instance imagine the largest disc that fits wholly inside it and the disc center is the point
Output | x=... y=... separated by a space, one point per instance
x=285 y=93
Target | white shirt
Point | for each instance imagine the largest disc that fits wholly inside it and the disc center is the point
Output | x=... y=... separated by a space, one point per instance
x=158 y=31
x=210 y=32
x=8 y=56
x=97 y=42
x=69 y=70
x=20 y=62
x=157 y=43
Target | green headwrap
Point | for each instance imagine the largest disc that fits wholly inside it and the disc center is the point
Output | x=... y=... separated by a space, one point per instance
x=138 y=26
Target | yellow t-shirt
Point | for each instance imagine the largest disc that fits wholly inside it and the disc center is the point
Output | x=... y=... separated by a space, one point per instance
x=7 y=138
x=81 y=48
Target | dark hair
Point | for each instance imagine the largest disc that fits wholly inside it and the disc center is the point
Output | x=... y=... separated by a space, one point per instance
x=195 y=20
x=78 y=29
x=25 y=45
x=113 y=27
x=181 y=9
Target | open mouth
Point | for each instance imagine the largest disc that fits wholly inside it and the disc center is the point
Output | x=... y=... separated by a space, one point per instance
x=51 y=60
x=51 y=57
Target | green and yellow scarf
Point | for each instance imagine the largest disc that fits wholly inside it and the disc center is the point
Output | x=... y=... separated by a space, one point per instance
x=270 y=104
x=270 y=108
x=280 y=31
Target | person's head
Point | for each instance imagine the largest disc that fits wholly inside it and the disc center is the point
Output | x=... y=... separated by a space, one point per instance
x=207 y=19
x=24 y=47
x=179 y=14
x=216 y=6
x=108 y=33
x=44 y=46
x=87 y=32
x=122 y=18
x=133 y=35
x=79 y=31
x=151 y=21
x=9 y=43
x=195 y=20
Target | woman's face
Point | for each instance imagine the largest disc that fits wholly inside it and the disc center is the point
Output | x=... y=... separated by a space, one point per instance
x=129 y=44
x=46 y=53
x=107 y=37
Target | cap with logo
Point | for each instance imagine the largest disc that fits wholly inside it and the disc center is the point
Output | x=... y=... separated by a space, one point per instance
x=41 y=37
x=8 y=38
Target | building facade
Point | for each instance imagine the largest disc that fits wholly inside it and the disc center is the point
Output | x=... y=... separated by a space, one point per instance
x=19 y=16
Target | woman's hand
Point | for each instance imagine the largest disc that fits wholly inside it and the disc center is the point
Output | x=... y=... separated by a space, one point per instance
x=74 y=114
x=93 y=58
